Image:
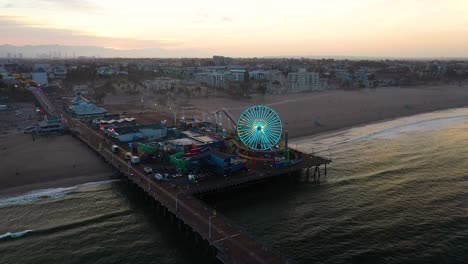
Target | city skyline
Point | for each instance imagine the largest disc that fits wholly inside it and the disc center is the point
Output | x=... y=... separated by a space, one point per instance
x=244 y=29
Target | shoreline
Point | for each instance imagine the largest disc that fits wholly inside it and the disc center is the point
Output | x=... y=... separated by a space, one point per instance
x=298 y=137
x=104 y=174
x=52 y=162
x=47 y=162
x=313 y=113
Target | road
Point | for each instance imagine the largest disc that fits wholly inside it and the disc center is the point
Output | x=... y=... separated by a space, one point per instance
x=43 y=100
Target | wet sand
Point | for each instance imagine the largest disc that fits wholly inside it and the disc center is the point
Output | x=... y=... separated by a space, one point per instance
x=47 y=162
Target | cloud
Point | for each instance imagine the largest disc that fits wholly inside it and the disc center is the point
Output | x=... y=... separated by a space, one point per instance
x=207 y=18
x=227 y=19
x=23 y=31
x=54 y=4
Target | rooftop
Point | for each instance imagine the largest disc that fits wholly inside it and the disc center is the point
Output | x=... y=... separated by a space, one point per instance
x=111 y=121
x=86 y=109
x=136 y=129
x=183 y=142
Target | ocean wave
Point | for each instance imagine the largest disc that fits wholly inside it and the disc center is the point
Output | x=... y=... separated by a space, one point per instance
x=390 y=130
x=415 y=126
x=66 y=226
x=10 y=235
x=82 y=222
x=47 y=193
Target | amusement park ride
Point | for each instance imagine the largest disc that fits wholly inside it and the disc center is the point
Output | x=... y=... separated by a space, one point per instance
x=255 y=142
x=259 y=131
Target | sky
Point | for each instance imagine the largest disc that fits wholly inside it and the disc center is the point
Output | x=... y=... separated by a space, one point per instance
x=245 y=28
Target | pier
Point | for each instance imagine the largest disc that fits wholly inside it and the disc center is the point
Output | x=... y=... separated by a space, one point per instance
x=230 y=244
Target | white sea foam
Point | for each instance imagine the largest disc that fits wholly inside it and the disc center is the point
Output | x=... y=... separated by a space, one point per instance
x=15 y=234
x=46 y=193
x=385 y=130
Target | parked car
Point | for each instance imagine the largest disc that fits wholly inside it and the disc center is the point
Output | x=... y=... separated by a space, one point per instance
x=148 y=170
x=115 y=148
x=135 y=159
x=191 y=177
x=158 y=176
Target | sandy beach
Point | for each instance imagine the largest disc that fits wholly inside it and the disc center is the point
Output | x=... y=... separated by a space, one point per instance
x=62 y=161
x=317 y=112
x=47 y=162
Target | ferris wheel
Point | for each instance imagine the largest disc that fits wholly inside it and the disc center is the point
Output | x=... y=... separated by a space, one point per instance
x=259 y=127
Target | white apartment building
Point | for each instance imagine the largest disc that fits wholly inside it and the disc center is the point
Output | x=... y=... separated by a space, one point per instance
x=302 y=81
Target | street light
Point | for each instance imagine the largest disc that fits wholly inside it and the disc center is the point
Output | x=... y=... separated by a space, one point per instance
x=177 y=202
x=209 y=225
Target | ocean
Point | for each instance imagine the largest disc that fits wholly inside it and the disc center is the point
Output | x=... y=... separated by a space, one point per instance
x=396 y=192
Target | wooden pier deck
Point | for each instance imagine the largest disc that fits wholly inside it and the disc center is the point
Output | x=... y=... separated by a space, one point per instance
x=261 y=172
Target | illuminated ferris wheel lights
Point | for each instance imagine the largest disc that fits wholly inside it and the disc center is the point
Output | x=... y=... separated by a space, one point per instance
x=259 y=128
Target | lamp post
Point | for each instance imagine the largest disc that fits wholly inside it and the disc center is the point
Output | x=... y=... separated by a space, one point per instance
x=177 y=201
x=209 y=225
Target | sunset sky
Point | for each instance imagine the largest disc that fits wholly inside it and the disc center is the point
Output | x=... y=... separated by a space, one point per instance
x=401 y=28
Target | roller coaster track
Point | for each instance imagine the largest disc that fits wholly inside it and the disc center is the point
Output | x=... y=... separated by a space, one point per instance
x=226 y=112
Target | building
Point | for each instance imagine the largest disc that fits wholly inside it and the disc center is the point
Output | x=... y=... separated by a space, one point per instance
x=60 y=72
x=38 y=67
x=259 y=75
x=51 y=124
x=84 y=109
x=303 y=81
x=238 y=75
x=80 y=89
x=266 y=75
x=3 y=72
x=221 y=60
x=106 y=71
x=343 y=75
x=216 y=78
x=40 y=78
x=107 y=123
x=133 y=133
x=163 y=83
